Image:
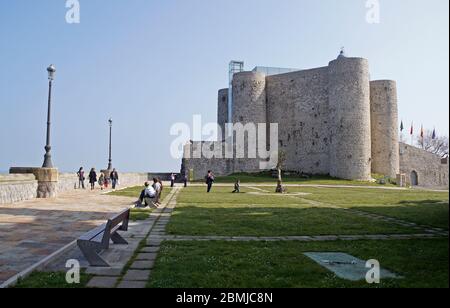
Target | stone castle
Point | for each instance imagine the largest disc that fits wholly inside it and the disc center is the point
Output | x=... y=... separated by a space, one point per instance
x=333 y=120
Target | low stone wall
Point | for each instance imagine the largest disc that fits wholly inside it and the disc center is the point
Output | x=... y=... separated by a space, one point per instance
x=16 y=188
x=67 y=182
x=20 y=187
x=132 y=179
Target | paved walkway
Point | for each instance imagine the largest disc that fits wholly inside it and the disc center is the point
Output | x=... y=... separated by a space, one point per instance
x=32 y=230
x=140 y=254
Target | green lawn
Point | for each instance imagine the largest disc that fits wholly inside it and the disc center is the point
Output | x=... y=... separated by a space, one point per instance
x=139 y=214
x=136 y=191
x=249 y=214
x=44 y=280
x=422 y=263
x=266 y=177
x=423 y=207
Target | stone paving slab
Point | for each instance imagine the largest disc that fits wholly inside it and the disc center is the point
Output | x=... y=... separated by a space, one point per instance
x=125 y=284
x=142 y=265
x=327 y=238
x=106 y=272
x=154 y=242
x=102 y=282
x=150 y=249
x=146 y=256
x=137 y=275
x=33 y=229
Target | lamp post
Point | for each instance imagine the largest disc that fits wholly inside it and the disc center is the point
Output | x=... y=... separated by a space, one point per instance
x=110 y=137
x=48 y=157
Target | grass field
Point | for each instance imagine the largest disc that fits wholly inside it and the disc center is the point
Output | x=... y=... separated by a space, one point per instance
x=257 y=211
x=43 y=280
x=253 y=213
x=266 y=177
x=422 y=263
x=303 y=211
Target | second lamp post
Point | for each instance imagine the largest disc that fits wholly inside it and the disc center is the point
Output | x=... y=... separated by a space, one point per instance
x=110 y=143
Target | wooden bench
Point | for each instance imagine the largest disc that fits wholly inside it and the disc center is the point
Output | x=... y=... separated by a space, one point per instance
x=98 y=239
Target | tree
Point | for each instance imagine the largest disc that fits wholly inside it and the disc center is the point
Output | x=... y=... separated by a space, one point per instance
x=438 y=145
x=280 y=165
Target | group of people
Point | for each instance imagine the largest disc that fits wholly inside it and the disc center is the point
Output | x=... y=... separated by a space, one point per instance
x=210 y=179
x=151 y=195
x=173 y=178
x=103 y=179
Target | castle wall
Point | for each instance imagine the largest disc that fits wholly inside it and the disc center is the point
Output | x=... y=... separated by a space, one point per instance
x=222 y=112
x=384 y=126
x=298 y=102
x=201 y=166
x=349 y=103
x=332 y=120
x=430 y=170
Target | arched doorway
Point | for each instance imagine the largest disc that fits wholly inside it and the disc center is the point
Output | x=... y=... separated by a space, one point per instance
x=414 y=178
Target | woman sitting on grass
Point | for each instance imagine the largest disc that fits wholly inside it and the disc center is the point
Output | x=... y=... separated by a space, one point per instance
x=148 y=196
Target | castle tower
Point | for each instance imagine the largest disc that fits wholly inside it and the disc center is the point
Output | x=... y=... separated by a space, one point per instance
x=350 y=129
x=384 y=121
x=249 y=106
x=222 y=114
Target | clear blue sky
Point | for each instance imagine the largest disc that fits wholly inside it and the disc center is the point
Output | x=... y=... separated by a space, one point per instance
x=149 y=64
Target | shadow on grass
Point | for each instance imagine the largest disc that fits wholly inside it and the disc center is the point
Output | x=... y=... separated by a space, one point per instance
x=433 y=213
x=275 y=221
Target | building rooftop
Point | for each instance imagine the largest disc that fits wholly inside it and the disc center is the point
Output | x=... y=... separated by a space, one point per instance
x=269 y=71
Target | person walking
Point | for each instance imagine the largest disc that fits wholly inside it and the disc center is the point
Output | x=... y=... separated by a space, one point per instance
x=114 y=178
x=92 y=178
x=157 y=186
x=185 y=180
x=210 y=180
x=101 y=181
x=81 y=178
x=172 y=180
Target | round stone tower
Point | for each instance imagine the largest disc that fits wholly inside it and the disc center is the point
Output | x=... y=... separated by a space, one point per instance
x=350 y=130
x=249 y=107
x=222 y=113
x=384 y=121
x=249 y=98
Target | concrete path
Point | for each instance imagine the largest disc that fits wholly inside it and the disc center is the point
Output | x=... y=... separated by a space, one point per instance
x=33 y=229
x=315 y=238
x=139 y=273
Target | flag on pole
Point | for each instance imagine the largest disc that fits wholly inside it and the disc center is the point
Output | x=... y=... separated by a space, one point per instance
x=412 y=129
x=434 y=134
x=422 y=133
x=402 y=127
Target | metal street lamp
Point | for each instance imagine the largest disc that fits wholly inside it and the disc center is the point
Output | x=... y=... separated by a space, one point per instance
x=48 y=157
x=110 y=137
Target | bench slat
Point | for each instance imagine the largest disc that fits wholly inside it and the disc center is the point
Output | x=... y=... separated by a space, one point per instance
x=93 y=233
x=122 y=216
x=92 y=242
